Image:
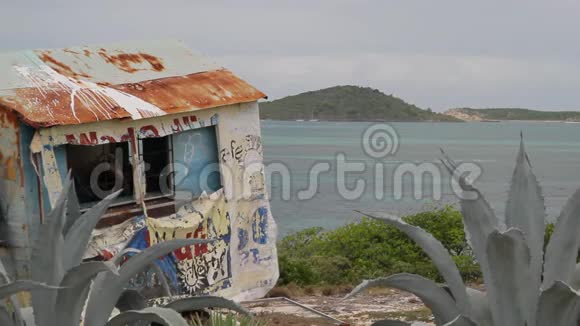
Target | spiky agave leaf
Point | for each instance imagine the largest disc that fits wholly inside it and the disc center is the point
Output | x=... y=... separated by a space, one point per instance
x=6 y=318
x=162 y=280
x=207 y=301
x=389 y=322
x=79 y=233
x=481 y=312
x=508 y=285
x=575 y=284
x=73 y=208
x=18 y=319
x=562 y=250
x=75 y=285
x=462 y=321
x=46 y=262
x=438 y=254
x=12 y=288
x=131 y=300
x=108 y=287
x=525 y=210
x=434 y=297
x=157 y=315
x=558 y=305
x=478 y=217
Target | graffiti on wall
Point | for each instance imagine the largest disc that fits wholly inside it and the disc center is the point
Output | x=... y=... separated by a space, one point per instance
x=200 y=268
x=247 y=155
x=242 y=152
x=253 y=233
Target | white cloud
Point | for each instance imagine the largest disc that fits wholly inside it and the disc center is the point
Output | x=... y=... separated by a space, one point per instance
x=429 y=81
x=436 y=54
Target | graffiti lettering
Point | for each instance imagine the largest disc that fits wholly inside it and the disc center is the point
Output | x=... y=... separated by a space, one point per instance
x=99 y=137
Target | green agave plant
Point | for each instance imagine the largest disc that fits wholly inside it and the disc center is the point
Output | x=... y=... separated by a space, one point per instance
x=524 y=286
x=66 y=291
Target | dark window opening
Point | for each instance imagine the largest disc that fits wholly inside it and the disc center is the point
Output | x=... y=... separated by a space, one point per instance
x=158 y=158
x=100 y=170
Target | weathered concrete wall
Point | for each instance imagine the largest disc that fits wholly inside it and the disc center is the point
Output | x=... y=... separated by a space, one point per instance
x=242 y=262
x=15 y=222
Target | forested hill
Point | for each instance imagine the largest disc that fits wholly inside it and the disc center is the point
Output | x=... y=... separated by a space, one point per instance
x=346 y=103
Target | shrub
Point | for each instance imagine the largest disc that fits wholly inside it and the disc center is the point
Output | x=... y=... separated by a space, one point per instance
x=369 y=249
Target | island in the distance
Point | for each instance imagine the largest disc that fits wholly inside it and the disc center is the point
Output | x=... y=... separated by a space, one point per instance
x=469 y=114
x=347 y=103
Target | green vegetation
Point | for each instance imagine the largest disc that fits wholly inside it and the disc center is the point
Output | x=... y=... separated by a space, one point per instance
x=525 y=284
x=347 y=103
x=521 y=114
x=370 y=249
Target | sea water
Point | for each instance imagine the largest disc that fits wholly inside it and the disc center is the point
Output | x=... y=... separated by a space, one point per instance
x=553 y=149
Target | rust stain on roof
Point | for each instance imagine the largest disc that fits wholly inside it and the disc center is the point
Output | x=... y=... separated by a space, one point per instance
x=127 y=61
x=61 y=106
x=60 y=67
x=70 y=51
x=200 y=90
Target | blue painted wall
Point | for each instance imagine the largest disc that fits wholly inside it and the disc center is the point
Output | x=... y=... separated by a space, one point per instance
x=194 y=151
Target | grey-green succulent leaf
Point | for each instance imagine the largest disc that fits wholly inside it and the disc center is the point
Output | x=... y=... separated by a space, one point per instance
x=461 y=321
x=47 y=256
x=108 y=287
x=438 y=254
x=75 y=289
x=13 y=300
x=6 y=318
x=390 y=322
x=480 y=310
x=157 y=315
x=131 y=300
x=79 y=234
x=442 y=305
x=203 y=302
x=478 y=216
x=508 y=287
x=525 y=210
x=558 y=305
x=163 y=280
x=562 y=250
x=575 y=284
x=73 y=209
x=12 y=288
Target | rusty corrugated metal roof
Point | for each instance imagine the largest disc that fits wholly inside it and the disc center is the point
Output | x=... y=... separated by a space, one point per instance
x=87 y=84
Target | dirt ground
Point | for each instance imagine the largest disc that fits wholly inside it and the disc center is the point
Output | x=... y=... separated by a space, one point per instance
x=360 y=310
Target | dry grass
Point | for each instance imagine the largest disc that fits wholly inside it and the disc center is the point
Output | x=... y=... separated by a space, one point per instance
x=293 y=291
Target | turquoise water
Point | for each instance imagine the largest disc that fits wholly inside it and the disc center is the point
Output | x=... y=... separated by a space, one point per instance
x=553 y=148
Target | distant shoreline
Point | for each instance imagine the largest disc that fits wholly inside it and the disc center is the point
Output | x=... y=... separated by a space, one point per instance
x=511 y=114
x=427 y=121
x=386 y=121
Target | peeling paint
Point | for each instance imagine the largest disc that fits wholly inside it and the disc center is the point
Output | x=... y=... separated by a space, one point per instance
x=69 y=86
x=128 y=61
x=69 y=102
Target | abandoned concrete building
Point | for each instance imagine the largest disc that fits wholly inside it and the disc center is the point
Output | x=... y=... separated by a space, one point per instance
x=176 y=133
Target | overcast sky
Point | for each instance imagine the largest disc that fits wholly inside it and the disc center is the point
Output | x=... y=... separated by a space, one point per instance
x=436 y=54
